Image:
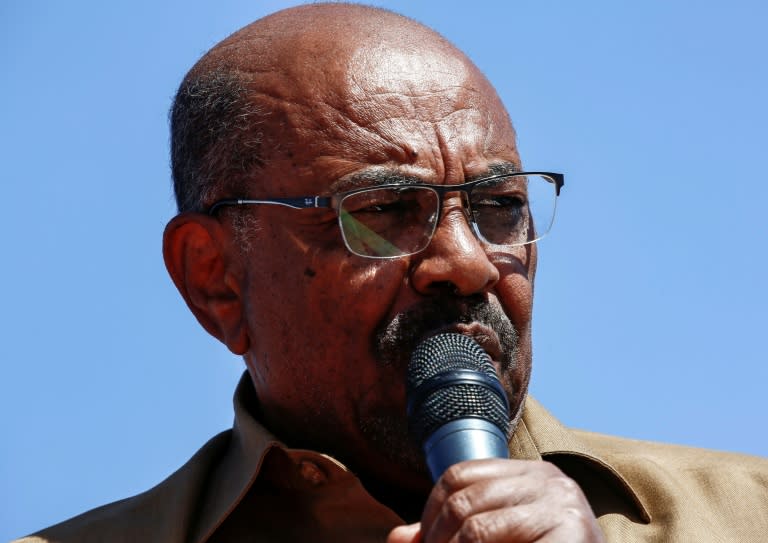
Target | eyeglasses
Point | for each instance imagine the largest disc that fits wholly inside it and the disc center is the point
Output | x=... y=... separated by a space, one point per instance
x=390 y=221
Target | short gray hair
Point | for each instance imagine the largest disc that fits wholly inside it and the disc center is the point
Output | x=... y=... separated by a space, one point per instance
x=215 y=141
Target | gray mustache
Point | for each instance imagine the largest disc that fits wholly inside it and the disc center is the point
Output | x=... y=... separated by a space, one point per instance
x=396 y=340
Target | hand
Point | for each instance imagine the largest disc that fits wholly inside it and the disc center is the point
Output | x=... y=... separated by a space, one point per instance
x=495 y=500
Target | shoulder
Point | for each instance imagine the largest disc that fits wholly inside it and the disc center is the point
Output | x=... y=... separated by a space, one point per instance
x=674 y=478
x=144 y=517
x=666 y=456
x=691 y=494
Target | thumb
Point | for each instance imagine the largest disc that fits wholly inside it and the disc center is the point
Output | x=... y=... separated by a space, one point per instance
x=409 y=533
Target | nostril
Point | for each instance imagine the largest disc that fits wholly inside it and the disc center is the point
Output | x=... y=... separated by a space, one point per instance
x=444 y=288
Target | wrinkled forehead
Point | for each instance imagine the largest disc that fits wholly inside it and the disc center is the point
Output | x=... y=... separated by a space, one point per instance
x=381 y=69
x=362 y=68
x=395 y=95
x=427 y=84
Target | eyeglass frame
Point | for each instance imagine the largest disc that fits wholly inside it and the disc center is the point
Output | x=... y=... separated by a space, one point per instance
x=334 y=202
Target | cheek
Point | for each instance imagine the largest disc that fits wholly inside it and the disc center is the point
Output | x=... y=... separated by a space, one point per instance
x=515 y=293
x=353 y=294
x=346 y=300
x=515 y=286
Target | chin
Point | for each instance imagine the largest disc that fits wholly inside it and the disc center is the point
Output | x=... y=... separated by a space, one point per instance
x=396 y=452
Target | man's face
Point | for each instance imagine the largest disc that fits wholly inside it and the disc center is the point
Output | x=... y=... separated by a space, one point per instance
x=331 y=333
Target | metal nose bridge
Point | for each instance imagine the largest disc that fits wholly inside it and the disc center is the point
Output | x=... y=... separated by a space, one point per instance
x=445 y=193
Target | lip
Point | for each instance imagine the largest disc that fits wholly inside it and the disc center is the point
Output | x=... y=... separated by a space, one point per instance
x=476 y=317
x=484 y=335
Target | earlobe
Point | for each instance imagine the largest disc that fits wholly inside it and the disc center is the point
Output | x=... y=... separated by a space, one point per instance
x=200 y=260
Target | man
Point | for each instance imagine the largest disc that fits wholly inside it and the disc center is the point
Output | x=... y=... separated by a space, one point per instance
x=286 y=138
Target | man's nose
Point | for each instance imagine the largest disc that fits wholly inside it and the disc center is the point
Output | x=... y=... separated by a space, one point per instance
x=454 y=259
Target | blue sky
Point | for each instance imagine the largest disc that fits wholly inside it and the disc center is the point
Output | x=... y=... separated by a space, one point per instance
x=650 y=304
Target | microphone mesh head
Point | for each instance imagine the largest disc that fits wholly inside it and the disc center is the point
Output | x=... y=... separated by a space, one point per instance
x=442 y=354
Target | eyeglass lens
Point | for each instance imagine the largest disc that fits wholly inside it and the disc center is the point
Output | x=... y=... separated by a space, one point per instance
x=396 y=221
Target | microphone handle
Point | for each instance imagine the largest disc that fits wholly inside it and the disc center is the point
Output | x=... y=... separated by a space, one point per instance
x=463 y=439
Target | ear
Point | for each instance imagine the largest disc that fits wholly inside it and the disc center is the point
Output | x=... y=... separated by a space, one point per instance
x=202 y=262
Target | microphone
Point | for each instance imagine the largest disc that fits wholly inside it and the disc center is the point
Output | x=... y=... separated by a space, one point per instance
x=457 y=408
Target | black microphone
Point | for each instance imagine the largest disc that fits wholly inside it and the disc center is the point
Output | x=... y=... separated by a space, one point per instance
x=457 y=408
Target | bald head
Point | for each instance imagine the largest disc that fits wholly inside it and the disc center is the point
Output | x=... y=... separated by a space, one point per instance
x=311 y=40
x=318 y=70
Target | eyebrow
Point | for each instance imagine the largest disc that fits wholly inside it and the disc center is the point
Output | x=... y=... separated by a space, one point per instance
x=381 y=176
x=372 y=178
x=499 y=168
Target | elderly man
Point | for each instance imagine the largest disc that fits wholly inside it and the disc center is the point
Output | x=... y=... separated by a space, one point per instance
x=349 y=185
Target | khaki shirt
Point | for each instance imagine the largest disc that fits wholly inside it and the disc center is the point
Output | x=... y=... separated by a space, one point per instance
x=244 y=485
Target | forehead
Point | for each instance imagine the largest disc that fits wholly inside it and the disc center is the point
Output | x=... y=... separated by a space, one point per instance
x=425 y=111
x=382 y=68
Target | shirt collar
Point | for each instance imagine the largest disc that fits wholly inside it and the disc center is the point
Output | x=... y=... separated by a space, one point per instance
x=538 y=436
x=239 y=466
x=541 y=435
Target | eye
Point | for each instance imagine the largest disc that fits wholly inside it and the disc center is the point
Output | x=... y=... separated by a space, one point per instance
x=374 y=208
x=393 y=204
x=388 y=207
x=502 y=201
x=373 y=201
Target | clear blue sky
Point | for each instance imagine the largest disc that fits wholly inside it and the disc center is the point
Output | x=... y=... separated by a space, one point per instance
x=651 y=295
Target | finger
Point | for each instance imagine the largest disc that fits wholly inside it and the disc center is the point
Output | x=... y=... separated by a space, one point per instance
x=522 y=524
x=485 y=481
x=575 y=526
x=410 y=533
x=478 y=498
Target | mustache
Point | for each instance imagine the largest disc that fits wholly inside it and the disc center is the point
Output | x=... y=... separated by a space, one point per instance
x=396 y=340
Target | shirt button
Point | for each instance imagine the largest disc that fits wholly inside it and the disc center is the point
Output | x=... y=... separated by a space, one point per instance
x=312 y=473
